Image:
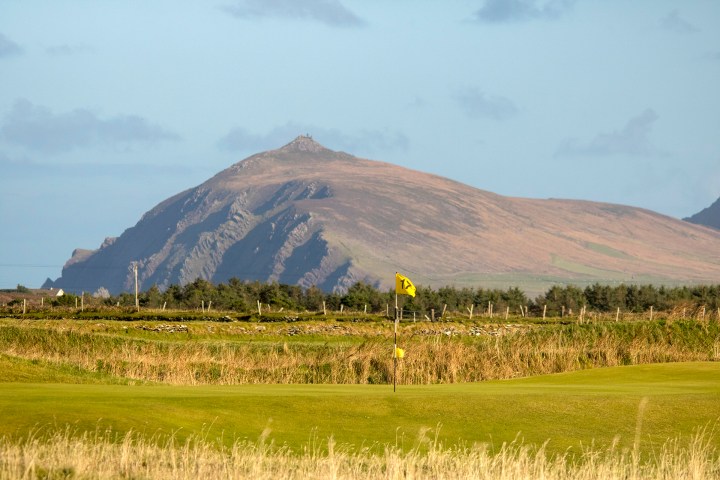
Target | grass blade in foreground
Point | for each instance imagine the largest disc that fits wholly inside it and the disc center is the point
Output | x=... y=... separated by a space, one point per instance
x=97 y=455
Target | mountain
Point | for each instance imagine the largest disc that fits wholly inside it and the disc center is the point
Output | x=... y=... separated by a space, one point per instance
x=307 y=215
x=710 y=216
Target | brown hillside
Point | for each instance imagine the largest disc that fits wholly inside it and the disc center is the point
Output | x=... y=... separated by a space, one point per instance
x=312 y=216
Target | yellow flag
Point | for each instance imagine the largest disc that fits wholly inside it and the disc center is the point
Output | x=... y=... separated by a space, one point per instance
x=403 y=285
x=399 y=352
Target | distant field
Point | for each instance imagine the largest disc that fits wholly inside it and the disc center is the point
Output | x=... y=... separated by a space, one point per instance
x=650 y=403
x=579 y=275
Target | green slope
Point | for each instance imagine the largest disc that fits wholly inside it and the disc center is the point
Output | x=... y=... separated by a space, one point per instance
x=567 y=410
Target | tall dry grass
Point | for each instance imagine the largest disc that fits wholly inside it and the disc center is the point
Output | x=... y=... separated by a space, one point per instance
x=101 y=455
x=447 y=356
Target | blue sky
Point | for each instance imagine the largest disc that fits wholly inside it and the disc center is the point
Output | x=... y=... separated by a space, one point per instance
x=108 y=108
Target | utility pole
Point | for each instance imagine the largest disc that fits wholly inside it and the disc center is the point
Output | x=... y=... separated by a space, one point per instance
x=134 y=267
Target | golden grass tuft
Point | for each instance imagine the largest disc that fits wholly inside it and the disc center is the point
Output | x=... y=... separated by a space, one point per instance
x=104 y=455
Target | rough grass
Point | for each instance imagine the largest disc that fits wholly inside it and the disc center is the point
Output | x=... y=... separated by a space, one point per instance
x=202 y=353
x=103 y=455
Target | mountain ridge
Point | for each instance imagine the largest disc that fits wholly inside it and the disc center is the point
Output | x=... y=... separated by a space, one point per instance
x=710 y=216
x=304 y=214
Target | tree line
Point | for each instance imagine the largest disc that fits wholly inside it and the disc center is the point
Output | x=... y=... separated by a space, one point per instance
x=238 y=295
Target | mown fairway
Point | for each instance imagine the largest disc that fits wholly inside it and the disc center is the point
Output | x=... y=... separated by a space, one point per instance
x=569 y=410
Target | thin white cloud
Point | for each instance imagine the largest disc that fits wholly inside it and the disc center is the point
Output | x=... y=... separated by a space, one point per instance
x=362 y=143
x=4 y=159
x=329 y=12
x=675 y=23
x=66 y=50
x=477 y=104
x=632 y=139
x=504 y=11
x=8 y=47
x=37 y=128
x=417 y=102
x=24 y=169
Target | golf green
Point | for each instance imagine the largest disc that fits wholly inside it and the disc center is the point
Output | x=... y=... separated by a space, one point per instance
x=649 y=402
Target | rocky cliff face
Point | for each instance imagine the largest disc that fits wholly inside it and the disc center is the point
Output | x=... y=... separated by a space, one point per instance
x=710 y=216
x=306 y=215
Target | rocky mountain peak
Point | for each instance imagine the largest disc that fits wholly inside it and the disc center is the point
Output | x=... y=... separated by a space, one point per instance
x=303 y=143
x=310 y=216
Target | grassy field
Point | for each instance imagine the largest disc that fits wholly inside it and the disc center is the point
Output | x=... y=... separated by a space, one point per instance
x=204 y=395
x=649 y=404
x=347 y=352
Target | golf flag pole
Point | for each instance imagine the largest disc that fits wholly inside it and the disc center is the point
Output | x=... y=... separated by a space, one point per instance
x=403 y=286
x=395 y=345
